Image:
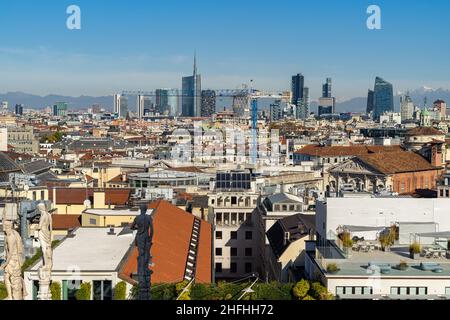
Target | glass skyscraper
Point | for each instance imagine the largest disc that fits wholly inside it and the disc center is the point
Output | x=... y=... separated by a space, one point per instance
x=191 y=94
x=383 y=98
x=326 y=89
x=370 y=101
x=298 y=84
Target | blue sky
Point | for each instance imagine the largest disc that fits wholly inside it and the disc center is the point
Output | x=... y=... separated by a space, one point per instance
x=145 y=44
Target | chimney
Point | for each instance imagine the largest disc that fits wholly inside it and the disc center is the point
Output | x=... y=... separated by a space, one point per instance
x=111 y=231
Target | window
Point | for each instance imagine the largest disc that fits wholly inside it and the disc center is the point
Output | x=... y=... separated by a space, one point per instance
x=233 y=252
x=219 y=235
x=347 y=291
x=92 y=222
x=233 y=200
x=233 y=267
x=42 y=195
x=218 y=267
x=409 y=291
x=102 y=290
x=233 y=235
x=248 y=267
x=248 y=252
x=219 y=218
x=233 y=218
x=219 y=252
x=248 y=235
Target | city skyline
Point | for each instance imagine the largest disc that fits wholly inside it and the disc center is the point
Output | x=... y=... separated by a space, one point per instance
x=55 y=60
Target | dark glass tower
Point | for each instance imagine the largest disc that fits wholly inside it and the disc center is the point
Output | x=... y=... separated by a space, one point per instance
x=298 y=85
x=383 y=98
x=191 y=94
x=369 y=101
x=326 y=89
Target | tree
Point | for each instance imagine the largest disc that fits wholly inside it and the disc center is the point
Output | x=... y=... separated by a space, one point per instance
x=301 y=289
x=120 y=291
x=84 y=293
x=319 y=292
x=55 y=289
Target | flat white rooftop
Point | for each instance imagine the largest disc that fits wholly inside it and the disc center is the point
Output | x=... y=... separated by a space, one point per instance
x=91 y=249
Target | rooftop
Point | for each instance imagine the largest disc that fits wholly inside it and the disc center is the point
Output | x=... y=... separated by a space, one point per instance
x=91 y=249
x=116 y=212
x=357 y=264
x=335 y=151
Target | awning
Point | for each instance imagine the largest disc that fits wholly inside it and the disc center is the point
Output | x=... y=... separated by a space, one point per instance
x=362 y=228
x=443 y=234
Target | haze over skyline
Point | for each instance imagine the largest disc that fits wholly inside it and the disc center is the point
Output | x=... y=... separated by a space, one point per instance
x=144 y=45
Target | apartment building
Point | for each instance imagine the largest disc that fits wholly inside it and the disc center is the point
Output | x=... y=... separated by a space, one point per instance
x=365 y=268
x=22 y=139
x=231 y=206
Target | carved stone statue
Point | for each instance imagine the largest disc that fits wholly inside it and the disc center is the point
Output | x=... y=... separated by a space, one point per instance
x=143 y=224
x=14 y=252
x=45 y=239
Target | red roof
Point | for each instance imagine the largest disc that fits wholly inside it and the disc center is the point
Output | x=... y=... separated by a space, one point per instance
x=173 y=231
x=355 y=150
x=66 y=221
x=79 y=195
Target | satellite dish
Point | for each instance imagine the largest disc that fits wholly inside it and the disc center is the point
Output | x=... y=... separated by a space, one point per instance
x=26 y=187
x=87 y=203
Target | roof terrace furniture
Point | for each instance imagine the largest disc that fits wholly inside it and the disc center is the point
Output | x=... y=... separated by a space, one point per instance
x=430 y=266
x=384 y=268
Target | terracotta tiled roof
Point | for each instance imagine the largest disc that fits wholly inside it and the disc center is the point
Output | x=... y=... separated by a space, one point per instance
x=173 y=230
x=77 y=196
x=424 y=131
x=66 y=221
x=335 y=151
x=117 y=196
x=118 y=179
x=398 y=162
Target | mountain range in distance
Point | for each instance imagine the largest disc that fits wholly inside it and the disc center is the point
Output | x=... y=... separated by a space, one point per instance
x=357 y=104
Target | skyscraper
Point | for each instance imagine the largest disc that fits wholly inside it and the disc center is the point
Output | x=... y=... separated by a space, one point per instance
x=191 y=94
x=19 y=109
x=406 y=108
x=370 y=101
x=208 y=105
x=297 y=88
x=141 y=106
x=162 y=100
x=326 y=102
x=383 y=98
x=276 y=112
x=120 y=105
x=302 y=107
x=60 y=109
x=326 y=89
